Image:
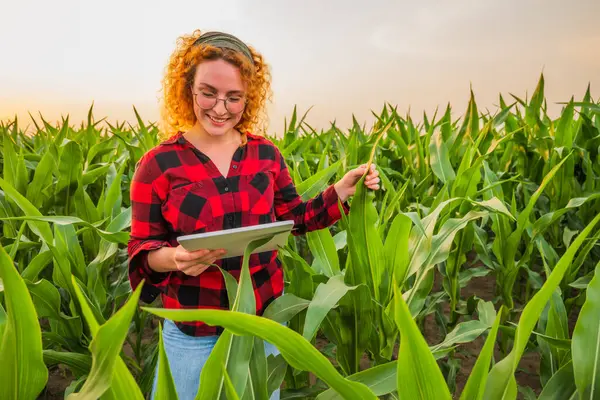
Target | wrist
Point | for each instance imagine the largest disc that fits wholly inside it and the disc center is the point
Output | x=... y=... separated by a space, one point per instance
x=162 y=259
x=342 y=195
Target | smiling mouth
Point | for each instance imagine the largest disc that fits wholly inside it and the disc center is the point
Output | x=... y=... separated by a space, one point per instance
x=217 y=119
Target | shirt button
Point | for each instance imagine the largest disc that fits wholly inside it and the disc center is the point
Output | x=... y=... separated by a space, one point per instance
x=235 y=167
x=226 y=189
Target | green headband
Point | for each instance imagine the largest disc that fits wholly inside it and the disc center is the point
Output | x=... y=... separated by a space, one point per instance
x=225 y=40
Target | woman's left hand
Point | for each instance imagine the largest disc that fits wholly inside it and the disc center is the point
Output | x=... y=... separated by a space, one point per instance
x=346 y=186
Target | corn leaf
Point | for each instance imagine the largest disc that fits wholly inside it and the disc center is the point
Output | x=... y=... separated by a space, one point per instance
x=165 y=387
x=40 y=228
x=323 y=249
x=367 y=251
x=79 y=364
x=105 y=348
x=42 y=178
x=285 y=307
x=475 y=386
x=297 y=351
x=381 y=379
x=396 y=246
x=120 y=381
x=326 y=297
x=317 y=182
x=232 y=351
x=586 y=342
x=561 y=385
x=258 y=376
x=418 y=375
x=24 y=372
x=440 y=159
x=113 y=237
x=502 y=384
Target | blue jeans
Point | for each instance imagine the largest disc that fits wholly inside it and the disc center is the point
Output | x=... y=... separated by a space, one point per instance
x=187 y=355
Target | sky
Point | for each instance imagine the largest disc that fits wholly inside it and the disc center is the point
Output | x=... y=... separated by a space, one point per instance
x=342 y=58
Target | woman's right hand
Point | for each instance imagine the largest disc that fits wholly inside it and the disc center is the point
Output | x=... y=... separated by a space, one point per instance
x=194 y=263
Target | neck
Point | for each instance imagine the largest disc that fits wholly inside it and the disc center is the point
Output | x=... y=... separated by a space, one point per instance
x=197 y=135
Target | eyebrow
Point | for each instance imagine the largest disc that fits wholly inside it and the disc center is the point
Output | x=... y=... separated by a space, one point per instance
x=215 y=89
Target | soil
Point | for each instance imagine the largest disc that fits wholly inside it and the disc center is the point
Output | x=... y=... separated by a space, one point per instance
x=484 y=288
x=59 y=379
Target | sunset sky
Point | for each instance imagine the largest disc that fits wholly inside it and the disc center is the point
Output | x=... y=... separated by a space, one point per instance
x=341 y=57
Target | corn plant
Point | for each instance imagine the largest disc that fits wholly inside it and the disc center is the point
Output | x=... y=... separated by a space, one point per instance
x=511 y=196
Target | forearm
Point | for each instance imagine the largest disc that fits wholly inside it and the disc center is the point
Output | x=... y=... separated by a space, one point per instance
x=162 y=260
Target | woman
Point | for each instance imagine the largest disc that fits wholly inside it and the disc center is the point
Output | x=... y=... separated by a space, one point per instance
x=211 y=173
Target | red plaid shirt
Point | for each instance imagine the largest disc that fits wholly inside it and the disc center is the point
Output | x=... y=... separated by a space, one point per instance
x=177 y=190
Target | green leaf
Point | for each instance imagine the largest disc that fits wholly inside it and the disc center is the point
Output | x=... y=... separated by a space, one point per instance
x=564 y=130
x=40 y=228
x=326 y=297
x=317 y=182
x=165 y=387
x=122 y=384
x=486 y=312
x=396 y=246
x=440 y=250
x=586 y=342
x=367 y=251
x=42 y=178
x=381 y=379
x=69 y=166
x=113 y=200
x=92 y=175
x=532 y=110
x=285 y=307
x=277 y=368
x=512 y=242
x=105 y=348
x=3 y=317
x=24 y=373
x=46 y=298
x=322 y=247
x=79 y=364
x=67 y=242
x=555 y=342
x=297 y=351
x=232 y=351
x=561 y=385
x=420 y=239
x=476 y=384
x=502 y=382
x=229 y=388
x=496 y=205
x=418 y=374
x=113 y=237
x=464 y=332
x=258 y=377
x=440 y=159
x=581 y=283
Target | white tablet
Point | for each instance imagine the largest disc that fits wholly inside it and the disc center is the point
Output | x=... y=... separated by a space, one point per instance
x=235 y=240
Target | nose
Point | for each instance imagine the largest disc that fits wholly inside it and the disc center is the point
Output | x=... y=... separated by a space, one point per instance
x=220 y=108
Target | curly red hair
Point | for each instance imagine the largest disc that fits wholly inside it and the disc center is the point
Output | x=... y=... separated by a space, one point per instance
x=177 y=110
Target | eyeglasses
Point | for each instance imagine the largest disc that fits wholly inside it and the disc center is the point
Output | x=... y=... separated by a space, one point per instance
x=208 y=100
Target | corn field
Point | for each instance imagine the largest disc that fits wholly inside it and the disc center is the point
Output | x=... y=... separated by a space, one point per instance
x=474 y=273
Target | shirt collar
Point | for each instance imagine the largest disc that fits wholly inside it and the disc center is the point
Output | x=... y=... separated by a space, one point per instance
x=176 y=138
